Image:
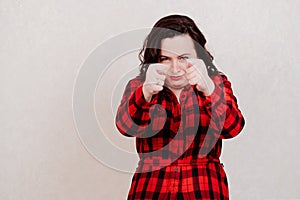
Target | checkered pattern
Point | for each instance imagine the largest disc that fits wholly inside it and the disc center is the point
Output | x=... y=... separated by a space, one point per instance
x=203 y=181
x=179 y=141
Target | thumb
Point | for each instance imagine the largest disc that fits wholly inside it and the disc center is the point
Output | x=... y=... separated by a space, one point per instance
x=192 y=61
x=162 y=69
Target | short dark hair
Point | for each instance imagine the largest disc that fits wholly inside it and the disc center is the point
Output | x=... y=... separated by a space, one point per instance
x=168 y=27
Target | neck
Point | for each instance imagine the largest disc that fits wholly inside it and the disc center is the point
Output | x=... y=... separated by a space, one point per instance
x=177 y=92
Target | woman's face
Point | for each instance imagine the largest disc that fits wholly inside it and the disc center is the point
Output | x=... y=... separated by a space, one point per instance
x=174 y=52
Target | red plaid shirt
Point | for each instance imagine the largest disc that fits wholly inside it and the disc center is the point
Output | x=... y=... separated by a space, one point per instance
x=179 y=141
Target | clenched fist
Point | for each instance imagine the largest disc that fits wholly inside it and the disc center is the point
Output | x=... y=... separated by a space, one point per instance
x=196 y=74
x=155 y=79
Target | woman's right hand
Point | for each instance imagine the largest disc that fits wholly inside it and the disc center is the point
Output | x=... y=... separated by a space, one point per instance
x=155 y=79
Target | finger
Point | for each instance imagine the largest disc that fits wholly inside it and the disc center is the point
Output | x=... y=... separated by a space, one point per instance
x=197 y=63
x=193 y=81
x=154 y=77
x=160 y=77
x=200 y=64
x=192 y=62
x=157 y=88
x=160 y=82
x=161 y=68
x=190 y=70
x=192 y=75
x=157 y=66
x=149 y=83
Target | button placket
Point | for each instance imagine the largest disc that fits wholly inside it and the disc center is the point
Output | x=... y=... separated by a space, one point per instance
x=183 y=120
x=175 y=179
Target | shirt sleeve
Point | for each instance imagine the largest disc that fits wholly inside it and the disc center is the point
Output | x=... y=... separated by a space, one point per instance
x=133 y=116
x=223 y=109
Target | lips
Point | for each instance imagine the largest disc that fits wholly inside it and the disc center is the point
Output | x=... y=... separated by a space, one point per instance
x=176 y=78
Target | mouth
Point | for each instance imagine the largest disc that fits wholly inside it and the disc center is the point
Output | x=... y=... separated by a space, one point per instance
x=176 y=77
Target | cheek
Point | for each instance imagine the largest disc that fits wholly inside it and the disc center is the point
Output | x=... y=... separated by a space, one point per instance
x=167 y=80
x=184 y=67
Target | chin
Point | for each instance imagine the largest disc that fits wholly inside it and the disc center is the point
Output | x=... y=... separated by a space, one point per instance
x=177 y=85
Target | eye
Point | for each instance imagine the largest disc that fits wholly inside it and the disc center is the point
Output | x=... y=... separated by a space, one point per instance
x=183 y=57
x=161 y=59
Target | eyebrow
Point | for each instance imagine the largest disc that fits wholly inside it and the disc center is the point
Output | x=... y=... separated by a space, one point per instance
x=185 y=54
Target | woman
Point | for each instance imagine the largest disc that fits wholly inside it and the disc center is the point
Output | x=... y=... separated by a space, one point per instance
x=179 y=109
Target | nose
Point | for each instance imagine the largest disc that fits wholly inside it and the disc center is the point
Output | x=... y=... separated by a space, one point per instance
x=175 y=66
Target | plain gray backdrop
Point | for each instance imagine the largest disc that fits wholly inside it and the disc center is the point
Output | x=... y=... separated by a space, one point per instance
x=44 y=43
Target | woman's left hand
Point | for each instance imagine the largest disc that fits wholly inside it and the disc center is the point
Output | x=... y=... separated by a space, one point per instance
x=196 y=74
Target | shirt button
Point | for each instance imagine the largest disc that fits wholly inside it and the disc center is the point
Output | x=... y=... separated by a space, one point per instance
x=175 y=169
x=208 y=104
x=160 y=109
x=183 y=96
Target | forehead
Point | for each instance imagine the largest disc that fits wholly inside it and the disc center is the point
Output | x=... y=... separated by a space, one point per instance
x=179 y=45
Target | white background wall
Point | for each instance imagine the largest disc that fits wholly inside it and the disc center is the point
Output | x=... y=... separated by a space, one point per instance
x=44 y=43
